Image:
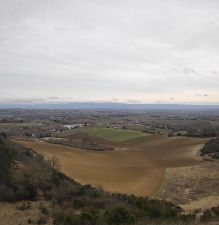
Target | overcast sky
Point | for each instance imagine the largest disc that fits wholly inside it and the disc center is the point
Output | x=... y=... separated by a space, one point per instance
x=136 y=51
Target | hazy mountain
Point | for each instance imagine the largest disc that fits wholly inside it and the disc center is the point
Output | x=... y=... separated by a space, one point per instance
x=114 y=106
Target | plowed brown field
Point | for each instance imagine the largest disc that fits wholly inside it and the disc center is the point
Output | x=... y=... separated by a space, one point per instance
x=136 y=167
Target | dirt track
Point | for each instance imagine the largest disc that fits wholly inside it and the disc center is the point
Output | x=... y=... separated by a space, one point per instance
x=139 y=170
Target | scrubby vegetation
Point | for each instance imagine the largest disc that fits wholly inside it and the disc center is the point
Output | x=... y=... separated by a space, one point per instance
x=203 y=132
x=82 y=140
x=25 y=175
x=210 y=214
x=211 y=148
x=14 y=185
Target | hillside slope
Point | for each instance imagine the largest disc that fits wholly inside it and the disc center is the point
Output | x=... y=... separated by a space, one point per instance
x=42 y=195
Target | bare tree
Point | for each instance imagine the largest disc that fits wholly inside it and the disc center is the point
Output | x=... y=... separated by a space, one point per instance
x=54 y=163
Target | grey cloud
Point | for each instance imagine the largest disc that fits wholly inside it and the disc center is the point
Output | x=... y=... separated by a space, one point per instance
x=189 y=71
x=109 y=49
x=54 y=98
x=202 y=95
x=133 y=101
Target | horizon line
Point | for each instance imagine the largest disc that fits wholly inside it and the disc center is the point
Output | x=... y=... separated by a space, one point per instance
x=107 y=106
x=107 y=102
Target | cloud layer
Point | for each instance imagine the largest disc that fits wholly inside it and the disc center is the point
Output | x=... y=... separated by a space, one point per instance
x=126 y=51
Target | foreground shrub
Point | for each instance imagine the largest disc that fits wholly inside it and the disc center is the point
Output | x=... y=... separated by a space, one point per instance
x=83 y=202
x=117 y=216
x=24 y=192
x=18 y=192
x=206 y=216
x=87 y=218
x=187 y=218
x=45 y=211
x=215 y=210
x=29 y=221
x=7 y=156
x=62 y=218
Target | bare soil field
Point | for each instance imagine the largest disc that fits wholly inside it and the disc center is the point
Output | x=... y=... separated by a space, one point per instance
x=138 y=167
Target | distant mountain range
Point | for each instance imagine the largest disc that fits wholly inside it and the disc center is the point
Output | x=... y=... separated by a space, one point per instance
x=108 y=106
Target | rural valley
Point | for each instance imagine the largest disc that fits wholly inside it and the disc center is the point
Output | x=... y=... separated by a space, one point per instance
x=109 y=112
x=154 y=154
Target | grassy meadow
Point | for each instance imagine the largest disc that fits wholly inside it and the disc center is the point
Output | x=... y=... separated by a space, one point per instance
x=113 y=134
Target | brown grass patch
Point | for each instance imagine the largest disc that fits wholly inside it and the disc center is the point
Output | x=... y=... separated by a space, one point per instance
x=12 y=214
x=197 y=185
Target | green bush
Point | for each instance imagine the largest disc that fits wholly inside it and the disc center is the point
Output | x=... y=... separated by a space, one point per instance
x=187 y=218
x=87 y=218
x=154 y=209
x=26 y=192
x=18 y=192
x=29 y=221
x=83 y=201
x=207 y=215
x=117 y=216
x=62 y=218
x=31 y=191
x=7 y=157
x=44 y=210
x=211 y=147
x=89 y=191
x=215 y=210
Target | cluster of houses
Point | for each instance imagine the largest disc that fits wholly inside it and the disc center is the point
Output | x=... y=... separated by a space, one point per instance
x=74 y=126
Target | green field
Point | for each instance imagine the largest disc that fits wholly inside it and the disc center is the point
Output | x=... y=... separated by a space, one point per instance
x=112 y=134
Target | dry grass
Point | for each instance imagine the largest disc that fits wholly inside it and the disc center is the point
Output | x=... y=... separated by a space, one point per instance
x=12 y=213
x=197 y=185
